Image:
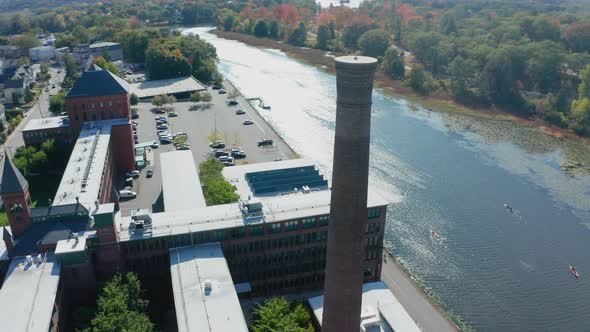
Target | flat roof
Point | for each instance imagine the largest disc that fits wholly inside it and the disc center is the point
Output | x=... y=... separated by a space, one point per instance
x=47 y=123
x=204 y=295
x=103 y=44
x=274 y=209
x=170 y=86
x=71 y=245
x=180 y=181
x=236 y=175
x=28 y=294
x=83 y=173
x=380 y=312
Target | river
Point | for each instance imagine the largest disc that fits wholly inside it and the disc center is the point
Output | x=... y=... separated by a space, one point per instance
x=497 y=270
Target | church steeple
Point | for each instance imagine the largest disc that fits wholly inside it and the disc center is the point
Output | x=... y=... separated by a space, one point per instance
x=12 y=179
x=14 y=190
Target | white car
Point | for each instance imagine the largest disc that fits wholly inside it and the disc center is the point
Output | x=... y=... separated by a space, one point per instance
x=127 y=193
x=133 y=174
x=155 y=145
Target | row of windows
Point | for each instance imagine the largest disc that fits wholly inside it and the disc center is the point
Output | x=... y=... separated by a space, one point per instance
x=372 y=227
x=287 y=257
x=289 y=226
x=101 y=104
x=243 y=273
x=278 y=243
x=374 y=212
x=371 y=254
x=94 y=116
x=373 y=240
x=272 y=286
x=43 y=134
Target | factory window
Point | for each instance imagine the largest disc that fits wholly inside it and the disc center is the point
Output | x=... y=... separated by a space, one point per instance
x=102 y=115
x=374 y=212
x=219 y=235
x=274 y=228
x=110 y=103
x=84 y=117
x=76 y=117
x=93 y=116
x=83 y=106
x=92 y=106
x=324 y=220
x=101 y=105
x=308 y=222
x=292 y=225
x=111 y=114
x=257 y=230
x=238 y=233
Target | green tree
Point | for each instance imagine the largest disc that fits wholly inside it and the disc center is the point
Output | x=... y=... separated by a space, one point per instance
x=121 y=306
x=228 y=23
x=276 y=314
x=352 y=33
x=29 y=95
x=57 y=103
x=27 y=41
x=393 y=64
x=195 y=97
x=461 y=72
x=206 y=97
x=133 y=99
x=323 y=37
x=584 y=87
x=215 y=188
x=448 y=24
x=16 y=96
x=374 y=42
x=106 y=65
x=261 y=29
x=417 y=78
x=503 y=69
x=425 y=46
x=273 y=29
x=577 y=36
x=298 y=36
x=81 y=34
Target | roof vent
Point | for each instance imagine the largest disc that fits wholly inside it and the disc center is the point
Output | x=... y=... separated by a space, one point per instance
x=208 y=286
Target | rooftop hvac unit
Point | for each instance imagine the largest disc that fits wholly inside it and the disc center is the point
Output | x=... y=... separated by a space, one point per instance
x=208 y=285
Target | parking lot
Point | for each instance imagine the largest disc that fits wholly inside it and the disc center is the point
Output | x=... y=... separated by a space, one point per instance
x=200 y=121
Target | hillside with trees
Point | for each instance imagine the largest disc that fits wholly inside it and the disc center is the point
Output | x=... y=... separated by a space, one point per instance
x=521 y=57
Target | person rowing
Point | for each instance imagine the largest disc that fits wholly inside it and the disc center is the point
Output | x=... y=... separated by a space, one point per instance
x=575 y=273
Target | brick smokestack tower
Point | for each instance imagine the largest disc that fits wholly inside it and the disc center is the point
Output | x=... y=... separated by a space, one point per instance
x=348 y=208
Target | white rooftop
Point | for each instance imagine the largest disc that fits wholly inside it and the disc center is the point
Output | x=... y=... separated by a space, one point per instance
x=180 y=181
x=71 y=245
x=83 y=173
x=380 y=312
x=148 y=89
x=28 y=294
x=274 y=209
x=47 y=123
x=103 y=44
x=3 y=250
x=204 y=295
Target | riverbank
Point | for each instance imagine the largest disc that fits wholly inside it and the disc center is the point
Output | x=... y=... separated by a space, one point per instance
x=325 y=61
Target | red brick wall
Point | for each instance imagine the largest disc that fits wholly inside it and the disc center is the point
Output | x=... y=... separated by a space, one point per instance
x=123 y=148
x=108 y=175
x=18 y=226
x=34 y=137
x=97 y=108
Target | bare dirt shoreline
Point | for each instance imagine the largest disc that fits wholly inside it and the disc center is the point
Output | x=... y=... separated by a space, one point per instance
x=325 y=61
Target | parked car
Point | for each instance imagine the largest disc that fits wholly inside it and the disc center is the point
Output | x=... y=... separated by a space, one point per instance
x=219 y=153
x=240 y=112
x=135 y=123
x=133 y=174
x=127 y=193
x=158 y=111
x=181 y=134
x=162 y=126
x=238 y=153
x=135 y=116
x=150 y=172
x=228 y=163
x=217 y=145
x=183 y=147
x=163 y=132
x=161 y=121
x=248 y=122
x=222 y=92
x=165 y=140
x=172 y=114
x=232 y=102
x=216 y=87
x=154 y=145
x=160 y=117
x=265 y=142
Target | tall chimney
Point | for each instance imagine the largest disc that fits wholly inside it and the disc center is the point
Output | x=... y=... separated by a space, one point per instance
x=348 y=209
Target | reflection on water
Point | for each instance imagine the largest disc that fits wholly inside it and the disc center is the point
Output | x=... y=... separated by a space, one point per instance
x=499 y=269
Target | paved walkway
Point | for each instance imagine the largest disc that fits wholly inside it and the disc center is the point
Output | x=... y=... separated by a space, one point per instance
x=427 y=316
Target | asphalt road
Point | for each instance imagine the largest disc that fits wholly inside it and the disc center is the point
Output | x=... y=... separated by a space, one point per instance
x=424 y=313
x=39 y=110
x=200 y=121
